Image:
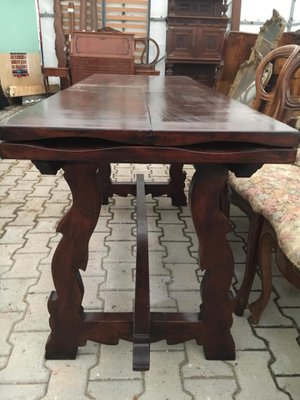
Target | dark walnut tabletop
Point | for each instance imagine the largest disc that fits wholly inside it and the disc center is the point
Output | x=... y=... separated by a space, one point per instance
x=146 y=110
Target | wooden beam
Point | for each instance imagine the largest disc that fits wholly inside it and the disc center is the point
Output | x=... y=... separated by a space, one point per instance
x=236 y=15
x=59 y=35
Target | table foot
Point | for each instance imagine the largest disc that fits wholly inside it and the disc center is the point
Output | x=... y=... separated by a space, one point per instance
x=62 y=343
x=220 y=349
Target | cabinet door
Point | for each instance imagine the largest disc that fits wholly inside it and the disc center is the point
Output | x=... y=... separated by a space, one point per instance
x=210 y=43
x=181 y=43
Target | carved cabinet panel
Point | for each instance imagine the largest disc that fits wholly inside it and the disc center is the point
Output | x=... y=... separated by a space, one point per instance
x=98 y=52
x=196 y=30
x=194 y=43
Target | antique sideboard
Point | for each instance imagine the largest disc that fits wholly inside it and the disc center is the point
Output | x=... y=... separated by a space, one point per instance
x=100 y=52
x=195 y=38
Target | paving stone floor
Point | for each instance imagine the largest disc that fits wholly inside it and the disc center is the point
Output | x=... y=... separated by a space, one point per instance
x=267 y=365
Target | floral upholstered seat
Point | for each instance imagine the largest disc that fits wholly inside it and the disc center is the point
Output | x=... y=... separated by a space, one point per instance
x=274 y=192
x=271 y=199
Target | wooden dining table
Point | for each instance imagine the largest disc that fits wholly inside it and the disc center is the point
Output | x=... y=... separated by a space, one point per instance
x=144 y=119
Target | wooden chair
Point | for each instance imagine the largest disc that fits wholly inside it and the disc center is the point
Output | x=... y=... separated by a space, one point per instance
x=236 y=51
x=266 y=194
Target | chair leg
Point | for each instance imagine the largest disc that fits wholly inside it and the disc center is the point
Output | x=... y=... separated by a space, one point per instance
x=255 y=226
x=265 y=251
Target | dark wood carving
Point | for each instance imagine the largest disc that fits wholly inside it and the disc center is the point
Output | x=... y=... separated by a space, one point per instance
x=95 y=52
x=195 y=38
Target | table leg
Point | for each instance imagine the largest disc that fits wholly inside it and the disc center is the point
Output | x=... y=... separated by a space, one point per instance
x=66 y=312
x=177 y=183
x=215 y=258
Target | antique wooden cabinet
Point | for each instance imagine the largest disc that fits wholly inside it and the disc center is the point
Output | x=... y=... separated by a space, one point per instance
x=195 y=38
x=101 y=52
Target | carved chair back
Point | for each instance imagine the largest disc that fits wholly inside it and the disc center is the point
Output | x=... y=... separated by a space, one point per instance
x=278 y=84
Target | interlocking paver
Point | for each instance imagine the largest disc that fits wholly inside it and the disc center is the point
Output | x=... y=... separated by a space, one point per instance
x=158 y=292
x=169 y=216
x=293 y=313
x=115 y=362
x=187 y=301
x=215 y=389
x=36 y=242
x=6 y=251
x=288 y=294
x=184 y=277
x=44 y=283
x=163 y=380
x=178 y=253
x=26 y=362
x=9 y=210
x=255 y=381
x=290 y=384
x=243 y=335
x=25 y=217
x=91 y=298
x=7 y=322
x=286 y=362
x=173 y=233
x=94 y=267
x=14 y=234
x=156 y=262
x=21 y=392
x=197 y=366
x=12 y=293
x=68 y=379
x=35 y=318
x=120 y=251
x=118 y=301
x=34 y=204
x=13 y=196
x=128 y=389
x=119 y=276
x=121 y=232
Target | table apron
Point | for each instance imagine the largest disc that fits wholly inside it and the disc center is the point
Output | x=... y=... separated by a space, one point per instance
x=148 y=154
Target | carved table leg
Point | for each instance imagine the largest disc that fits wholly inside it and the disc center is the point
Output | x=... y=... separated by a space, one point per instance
x=216 y=259
x=106 y=183
x=64 y=305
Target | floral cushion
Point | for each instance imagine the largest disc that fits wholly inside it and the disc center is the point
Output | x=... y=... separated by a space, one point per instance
x=274 y=191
